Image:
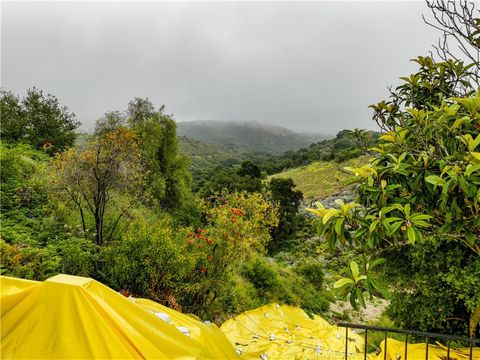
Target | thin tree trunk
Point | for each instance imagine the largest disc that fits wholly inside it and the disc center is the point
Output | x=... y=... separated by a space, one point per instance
x=83 y=218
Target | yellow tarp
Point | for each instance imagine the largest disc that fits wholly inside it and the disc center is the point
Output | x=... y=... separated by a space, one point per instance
x=284 y=332
x=396 y=351
x=79 y=318
x=69 y=317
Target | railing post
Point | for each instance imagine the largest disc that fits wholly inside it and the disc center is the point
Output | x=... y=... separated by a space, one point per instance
x=427 y=335
x=406 y=346
x=365 y=346
x=346 y=342
x=426 y=348
x=385 y=347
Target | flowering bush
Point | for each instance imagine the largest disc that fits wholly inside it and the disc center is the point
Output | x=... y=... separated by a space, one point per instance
x=237 y=226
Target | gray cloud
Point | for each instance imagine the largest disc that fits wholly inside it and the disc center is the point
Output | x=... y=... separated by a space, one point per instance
x=312 y=66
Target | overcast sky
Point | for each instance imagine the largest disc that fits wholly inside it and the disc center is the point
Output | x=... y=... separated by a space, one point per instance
x=312 y=66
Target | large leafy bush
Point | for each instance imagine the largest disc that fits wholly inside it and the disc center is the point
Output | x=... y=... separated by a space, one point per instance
x=420 y=195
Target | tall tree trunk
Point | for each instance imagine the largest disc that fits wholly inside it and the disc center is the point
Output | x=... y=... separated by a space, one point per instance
x=98 y=227
x=83 y=218
x=474 y=321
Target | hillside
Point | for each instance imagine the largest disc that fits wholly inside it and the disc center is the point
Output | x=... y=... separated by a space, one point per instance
x=249 y=135
x=206 y=156
x=321 y=178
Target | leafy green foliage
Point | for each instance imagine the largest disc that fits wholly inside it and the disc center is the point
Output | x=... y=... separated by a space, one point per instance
x=28 y=261
x=437 y=286
x=343 y=147
x=37 y=120
x=24 y=208
x=111 y=121
x=321 y=178
x=79 y=213
x=246 y=177
x=151 y=260
x=169 y=178
x=251 y=136
x=298 y=286
x=192 y=268
x=422 y=188
x=35 y=244
x=139 y=110
x=288 y=199
x=208 y=160
x=357 y=283
x=108 y=171
x=167 y=170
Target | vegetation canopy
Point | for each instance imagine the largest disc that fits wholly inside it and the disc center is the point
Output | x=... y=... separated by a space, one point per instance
x=220 y=228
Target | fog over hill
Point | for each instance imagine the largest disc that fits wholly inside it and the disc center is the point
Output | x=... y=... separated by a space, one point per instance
x=308 y=66
x=253 y=136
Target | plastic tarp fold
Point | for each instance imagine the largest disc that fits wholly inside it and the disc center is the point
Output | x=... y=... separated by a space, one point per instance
x=284 y=332
x=69 y=317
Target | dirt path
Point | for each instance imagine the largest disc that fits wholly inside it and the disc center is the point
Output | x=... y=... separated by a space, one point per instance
x=372 y=312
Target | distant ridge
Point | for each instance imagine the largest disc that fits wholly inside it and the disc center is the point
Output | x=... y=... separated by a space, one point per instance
x=252 y=136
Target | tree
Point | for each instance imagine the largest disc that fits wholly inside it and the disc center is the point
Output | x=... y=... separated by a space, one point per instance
x=421 y=191
x=246 y=177
x=237 y=227
x=288 y=199
x=111 y=121
x=169 y=177
x=140 y=110
x=108 y=172
x=12 y=115
x=459 y=25
x=419 y=200
x=37 y=120
x=249 y=169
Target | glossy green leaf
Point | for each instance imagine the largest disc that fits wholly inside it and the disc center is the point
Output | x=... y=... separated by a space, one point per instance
x=354 y=268
x=342 y=282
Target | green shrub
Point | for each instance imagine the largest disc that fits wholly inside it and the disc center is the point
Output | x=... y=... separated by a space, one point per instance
x=312 y=271
x=300 y=286
x=78 y=256
x=265 y=278
x=150 y=261
x=28 y=262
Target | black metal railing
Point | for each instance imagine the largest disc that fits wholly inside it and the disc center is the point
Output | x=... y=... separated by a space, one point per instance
x=421 y=334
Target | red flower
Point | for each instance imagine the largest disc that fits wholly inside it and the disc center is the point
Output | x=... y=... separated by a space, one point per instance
x=209 y=257
x=199 y=230
x=233 y=219
x=237 y=212
x=203 y=269
x=226 y=236
x=190 y=234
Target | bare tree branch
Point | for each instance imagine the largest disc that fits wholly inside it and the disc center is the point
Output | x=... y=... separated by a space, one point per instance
x=459 y=23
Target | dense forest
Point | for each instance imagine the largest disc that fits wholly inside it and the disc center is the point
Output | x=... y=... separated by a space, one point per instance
x=204 y=228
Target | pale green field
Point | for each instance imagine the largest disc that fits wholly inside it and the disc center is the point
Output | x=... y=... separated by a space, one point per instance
x=321 y=178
